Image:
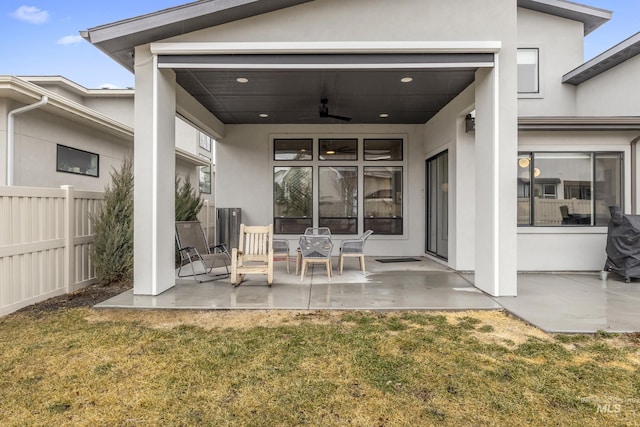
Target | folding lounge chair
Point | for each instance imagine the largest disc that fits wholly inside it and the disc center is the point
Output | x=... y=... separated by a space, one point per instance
x=254 y=254
x=196 y=252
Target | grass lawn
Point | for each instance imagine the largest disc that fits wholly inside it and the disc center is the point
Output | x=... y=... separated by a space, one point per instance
x=87 y=367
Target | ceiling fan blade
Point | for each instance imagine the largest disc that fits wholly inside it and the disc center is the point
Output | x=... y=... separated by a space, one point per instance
x=346 y=119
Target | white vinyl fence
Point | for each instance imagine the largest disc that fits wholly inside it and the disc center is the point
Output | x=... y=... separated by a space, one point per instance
x=45 y=238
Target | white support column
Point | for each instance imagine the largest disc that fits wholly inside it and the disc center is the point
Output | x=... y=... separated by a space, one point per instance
x=154 y=172
x=496 y=154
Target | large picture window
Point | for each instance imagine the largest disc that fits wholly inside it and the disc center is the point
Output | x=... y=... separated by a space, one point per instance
x=81 y=162
x=293 y=199
x=349 y=184
x=568 y=189
x=338 y=202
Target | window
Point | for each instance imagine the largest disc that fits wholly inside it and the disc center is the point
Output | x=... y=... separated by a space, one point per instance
x=568 y=189
x=348 y=184
x=76 y=161
x=293 y=149
x=338 y=149
x=383 y=149
x=528 y=71
x=204 y=176
x=205 y=141
x=293 y=199
x=338 y=199
x=383 y=199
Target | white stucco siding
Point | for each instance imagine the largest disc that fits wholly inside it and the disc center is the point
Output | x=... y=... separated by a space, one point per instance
x=560 y=44
x=364 y=20
x=615 y=92
x=118 y=108
x=571 y=248
x=445 y=131
x=37 y=135
x=244 y=177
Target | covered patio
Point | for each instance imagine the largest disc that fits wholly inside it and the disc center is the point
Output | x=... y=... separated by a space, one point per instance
x=554 y=302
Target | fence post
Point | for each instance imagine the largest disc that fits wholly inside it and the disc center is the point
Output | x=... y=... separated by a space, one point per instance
x=69 y=234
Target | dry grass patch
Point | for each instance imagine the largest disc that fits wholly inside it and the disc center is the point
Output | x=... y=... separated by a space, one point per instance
x=328 y=368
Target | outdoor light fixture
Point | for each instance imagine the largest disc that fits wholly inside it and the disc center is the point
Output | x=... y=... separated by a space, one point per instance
x=469 y=123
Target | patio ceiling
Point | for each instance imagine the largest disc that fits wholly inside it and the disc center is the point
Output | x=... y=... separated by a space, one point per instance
x=287 y=89
x=293 y=97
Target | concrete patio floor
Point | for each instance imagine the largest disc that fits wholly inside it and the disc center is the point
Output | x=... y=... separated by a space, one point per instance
x=566 y=303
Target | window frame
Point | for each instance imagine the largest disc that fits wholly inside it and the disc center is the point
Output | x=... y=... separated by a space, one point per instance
x=58 y=169
x=360 y=163
x=593 y=187
x=539 y=92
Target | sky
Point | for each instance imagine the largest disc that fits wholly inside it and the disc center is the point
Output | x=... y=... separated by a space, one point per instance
x=41 y=37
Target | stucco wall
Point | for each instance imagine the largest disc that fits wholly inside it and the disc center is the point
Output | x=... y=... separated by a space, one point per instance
x=445 y=131
x=615 y=92
x=361 y=20
x=244 y=177
x=37 y=134
x=560 y=43
x=116 y=107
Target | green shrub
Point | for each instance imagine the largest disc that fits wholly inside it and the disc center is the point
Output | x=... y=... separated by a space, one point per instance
x=112 y=251
x=188 y=204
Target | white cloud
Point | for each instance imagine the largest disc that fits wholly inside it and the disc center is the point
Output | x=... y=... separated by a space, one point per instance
x=66 y=40
x=31 y=14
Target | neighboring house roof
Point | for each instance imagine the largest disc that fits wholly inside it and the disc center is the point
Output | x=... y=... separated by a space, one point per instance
x=118 y=39
x=26 y=92
x=605 y=61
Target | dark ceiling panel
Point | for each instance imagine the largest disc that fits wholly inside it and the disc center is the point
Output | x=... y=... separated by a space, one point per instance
x=293 y=96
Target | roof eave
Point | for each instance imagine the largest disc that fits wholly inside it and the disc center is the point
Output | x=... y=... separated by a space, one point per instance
x=118 y=39
x=591 y=17
x=618 y=54
x=577 y=123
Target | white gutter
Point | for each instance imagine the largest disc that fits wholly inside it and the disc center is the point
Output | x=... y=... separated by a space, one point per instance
x=10 y=132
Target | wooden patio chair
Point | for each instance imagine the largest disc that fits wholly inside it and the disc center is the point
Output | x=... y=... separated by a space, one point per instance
x=353 y=248
x=254 y=254
x=315 y=249
x=195 y=251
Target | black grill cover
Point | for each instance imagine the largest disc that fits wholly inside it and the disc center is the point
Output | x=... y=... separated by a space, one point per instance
x=623 y=244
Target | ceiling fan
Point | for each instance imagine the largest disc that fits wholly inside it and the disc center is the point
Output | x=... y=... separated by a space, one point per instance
x=324 y=111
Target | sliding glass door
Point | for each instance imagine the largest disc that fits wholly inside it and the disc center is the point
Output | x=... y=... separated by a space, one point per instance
x=437 y=205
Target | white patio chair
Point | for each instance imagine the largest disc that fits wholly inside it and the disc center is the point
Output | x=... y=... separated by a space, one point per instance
x=353 y=248
x=195 y=251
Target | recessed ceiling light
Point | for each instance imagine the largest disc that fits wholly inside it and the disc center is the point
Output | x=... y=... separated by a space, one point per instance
x=264 y=115
x=242 y=80
x=406 y=79
x=384 y=115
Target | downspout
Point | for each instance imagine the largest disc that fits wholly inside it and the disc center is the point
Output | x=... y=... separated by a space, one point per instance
x=10 y=136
